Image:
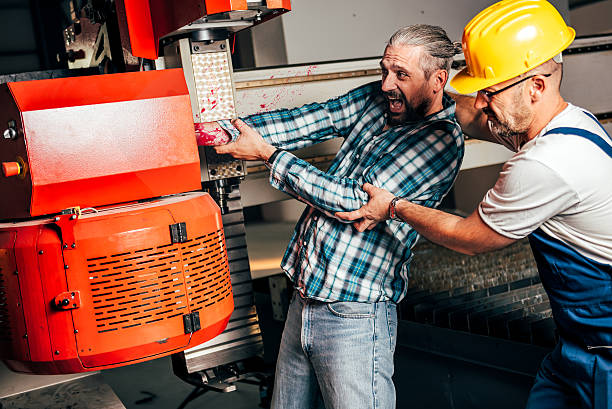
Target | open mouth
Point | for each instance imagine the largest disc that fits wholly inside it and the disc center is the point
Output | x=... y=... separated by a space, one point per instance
x=396 y=105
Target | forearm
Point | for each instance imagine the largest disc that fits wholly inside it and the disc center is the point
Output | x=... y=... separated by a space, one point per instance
x=464 y=235
x=325 y=192
x=296 y=128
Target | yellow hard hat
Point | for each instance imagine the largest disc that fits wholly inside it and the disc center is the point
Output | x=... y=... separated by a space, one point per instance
x=507 y=39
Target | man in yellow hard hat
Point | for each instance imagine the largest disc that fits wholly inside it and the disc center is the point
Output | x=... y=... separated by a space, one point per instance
x=556 y=190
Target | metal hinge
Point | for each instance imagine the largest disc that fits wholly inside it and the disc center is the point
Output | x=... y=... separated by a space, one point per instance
x=66 y=221
x=178 y=232
x=191 y=322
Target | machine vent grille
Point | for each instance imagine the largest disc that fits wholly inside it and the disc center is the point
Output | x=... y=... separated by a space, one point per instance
x=5 y=327
x=206 y=271
x=153 y=284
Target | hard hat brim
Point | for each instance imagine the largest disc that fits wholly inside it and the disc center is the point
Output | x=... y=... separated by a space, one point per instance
x=464 y=83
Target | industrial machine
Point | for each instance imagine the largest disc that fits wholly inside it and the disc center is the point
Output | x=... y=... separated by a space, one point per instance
x=105 y=261
x=108 y=255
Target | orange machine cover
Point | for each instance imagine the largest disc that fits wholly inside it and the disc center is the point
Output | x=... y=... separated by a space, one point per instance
x=129 y=285
x=96 y=140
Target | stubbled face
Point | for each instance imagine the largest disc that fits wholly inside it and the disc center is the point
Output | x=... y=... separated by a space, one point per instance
x=509 y=116
x=408 y=92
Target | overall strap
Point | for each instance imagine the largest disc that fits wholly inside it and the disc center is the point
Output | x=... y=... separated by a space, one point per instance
x=593 y=137
x=590 y=115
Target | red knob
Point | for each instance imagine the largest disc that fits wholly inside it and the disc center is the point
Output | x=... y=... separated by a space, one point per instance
x=11 y=168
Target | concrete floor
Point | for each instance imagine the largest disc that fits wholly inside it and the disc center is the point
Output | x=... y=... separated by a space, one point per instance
x=153 y=385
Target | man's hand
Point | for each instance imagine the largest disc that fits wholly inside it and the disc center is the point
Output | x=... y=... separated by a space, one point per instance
x=210 y=134
x=376 y=210
x=249 y=145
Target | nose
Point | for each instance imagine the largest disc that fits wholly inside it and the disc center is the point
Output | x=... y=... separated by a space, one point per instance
x=388 y=83
x=480 y=101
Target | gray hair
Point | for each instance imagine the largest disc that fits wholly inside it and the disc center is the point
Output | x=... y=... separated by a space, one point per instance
x=438 y=49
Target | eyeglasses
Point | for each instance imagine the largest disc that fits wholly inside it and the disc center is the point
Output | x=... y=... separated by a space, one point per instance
x=488 y=95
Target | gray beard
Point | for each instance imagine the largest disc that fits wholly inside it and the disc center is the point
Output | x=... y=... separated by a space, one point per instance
x=507 y=137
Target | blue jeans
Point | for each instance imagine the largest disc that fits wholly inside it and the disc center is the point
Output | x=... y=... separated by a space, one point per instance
x=336 y=355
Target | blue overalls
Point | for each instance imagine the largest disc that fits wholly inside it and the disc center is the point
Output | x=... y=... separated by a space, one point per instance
x=578 y=372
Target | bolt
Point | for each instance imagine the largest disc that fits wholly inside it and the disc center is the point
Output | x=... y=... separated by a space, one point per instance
x=16 y=272
x=57 y=352
x=66 y=266
x=41 y=252
x=57 y=219
x=76 y=331
x=73 y=245
x=25 y=336
x=73 y=217
x=10 y=133
x=196 y=47
x=65 y=246
x=222 y=46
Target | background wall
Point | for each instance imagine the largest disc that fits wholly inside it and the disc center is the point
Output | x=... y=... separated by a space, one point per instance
x=594 y=18
x=324 y=30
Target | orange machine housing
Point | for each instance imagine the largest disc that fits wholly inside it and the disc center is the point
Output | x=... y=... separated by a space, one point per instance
x=143 y=271
x=112 y=287
x=96 y=140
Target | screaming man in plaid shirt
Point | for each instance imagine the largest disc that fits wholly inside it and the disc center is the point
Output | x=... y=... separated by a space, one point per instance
x=327 y=259
x=399 y=134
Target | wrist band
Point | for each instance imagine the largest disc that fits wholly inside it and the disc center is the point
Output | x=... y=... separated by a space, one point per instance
x=393 y=209
x=272 y=157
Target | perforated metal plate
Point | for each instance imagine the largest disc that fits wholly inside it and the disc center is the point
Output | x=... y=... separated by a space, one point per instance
x=211 y=72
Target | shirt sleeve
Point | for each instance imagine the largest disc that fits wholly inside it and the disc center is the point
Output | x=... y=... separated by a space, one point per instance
x=423 y=171
x=296 y=128
x=527 y=194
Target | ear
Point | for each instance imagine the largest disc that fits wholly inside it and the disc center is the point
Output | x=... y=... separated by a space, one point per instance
x=537 y=88
x=438 y=80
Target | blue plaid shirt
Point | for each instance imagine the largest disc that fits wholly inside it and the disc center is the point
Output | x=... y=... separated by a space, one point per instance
x=327 y=259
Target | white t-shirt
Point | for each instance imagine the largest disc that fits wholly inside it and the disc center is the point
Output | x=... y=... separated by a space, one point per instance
x=559 y=183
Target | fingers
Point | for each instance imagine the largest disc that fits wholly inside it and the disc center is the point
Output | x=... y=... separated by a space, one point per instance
x=363 y=225
x=240 y=125
x=368 y=188
x=227 y=148
x=350 y=216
